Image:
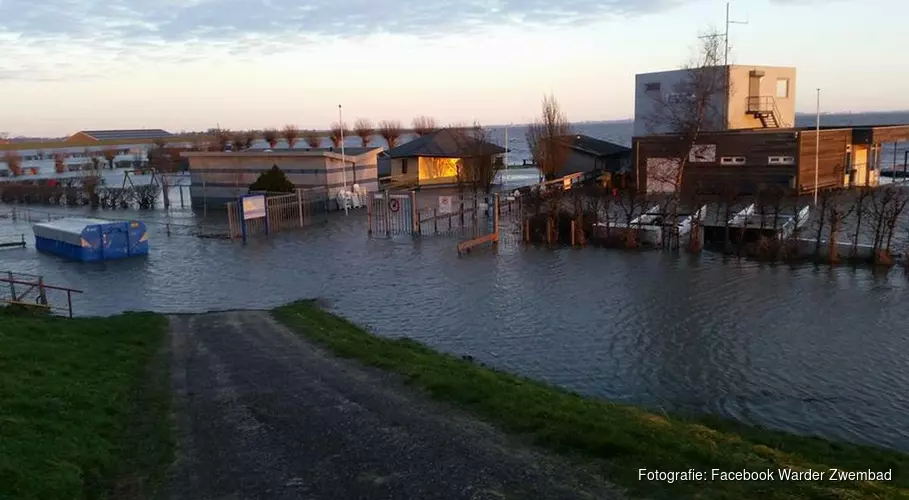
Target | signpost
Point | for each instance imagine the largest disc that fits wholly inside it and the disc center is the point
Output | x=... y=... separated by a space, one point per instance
x=445 y=204
x=253 y=206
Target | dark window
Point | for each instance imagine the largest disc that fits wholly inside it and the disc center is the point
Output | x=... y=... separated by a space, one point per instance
x=403 y=166
x=652 y=87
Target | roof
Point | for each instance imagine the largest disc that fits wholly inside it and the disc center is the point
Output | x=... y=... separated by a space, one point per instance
x=445 y=143
x=137 y=134
x=595 y=147
x=352 y=151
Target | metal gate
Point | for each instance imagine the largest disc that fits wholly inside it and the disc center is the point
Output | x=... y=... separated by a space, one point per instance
x=392 y=214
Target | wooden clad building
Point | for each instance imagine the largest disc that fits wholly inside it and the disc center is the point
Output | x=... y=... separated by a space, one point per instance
x=756 y=158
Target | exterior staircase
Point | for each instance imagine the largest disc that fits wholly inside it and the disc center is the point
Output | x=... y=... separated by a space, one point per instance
x=764 y=108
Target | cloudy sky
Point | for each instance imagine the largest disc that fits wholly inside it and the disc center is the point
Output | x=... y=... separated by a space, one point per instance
x=67 y=65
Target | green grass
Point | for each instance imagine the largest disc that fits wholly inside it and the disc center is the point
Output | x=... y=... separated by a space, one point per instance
x=615 y=440
x=84 y=406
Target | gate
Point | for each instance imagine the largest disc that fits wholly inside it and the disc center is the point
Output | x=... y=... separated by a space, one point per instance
x=392 y=214
x=283 y=212
x=29 y=291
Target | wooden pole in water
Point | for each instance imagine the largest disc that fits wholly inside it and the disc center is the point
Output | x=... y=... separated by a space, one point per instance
x=495 y=216
x=300 y=206
x=572 y=232
x=369 y=203
x=548 y=230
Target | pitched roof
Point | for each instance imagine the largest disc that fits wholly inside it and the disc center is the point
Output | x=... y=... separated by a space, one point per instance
x=445 y=143
x=595 y=147
x=138 y=134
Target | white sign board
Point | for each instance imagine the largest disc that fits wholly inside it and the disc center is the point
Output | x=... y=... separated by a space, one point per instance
x=253 y=207
x=702 y=153
x=661 y=174
x=445 y=205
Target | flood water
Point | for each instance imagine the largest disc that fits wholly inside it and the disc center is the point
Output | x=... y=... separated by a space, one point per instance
x=810 y=350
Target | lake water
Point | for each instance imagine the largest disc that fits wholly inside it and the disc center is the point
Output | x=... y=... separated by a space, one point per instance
x=805 y=349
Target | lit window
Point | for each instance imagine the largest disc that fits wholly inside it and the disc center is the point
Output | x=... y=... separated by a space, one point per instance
x=781 y=160
x=732 y=160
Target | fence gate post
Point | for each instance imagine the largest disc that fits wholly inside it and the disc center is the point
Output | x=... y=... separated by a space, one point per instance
x=387 y=216
x=495 y=216
x=369 y=203
x=300 y=206
x=12 y=286
x=414 y=214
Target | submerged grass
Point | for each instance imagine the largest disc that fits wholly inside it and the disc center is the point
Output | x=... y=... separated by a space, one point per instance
x=84 y=406
x=615 y=439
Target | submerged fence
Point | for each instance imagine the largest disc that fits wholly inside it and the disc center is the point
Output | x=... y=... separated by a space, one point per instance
x=282 y=212
x=31 y=292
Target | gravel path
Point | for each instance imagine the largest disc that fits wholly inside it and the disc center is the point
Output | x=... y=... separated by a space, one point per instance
x=264 y=414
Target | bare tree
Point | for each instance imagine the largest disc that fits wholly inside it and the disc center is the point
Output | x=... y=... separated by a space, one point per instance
x=694 y=106
x=59 y=163
x=860 y=205
x=390 y=130
x=13 y=162
x=291 y=134
x=313 y=138
x=165 y=163
x=837 y=214
x=223 y=138
x=364 y=130
x=545 y=137
x=239 y=140
x=339 y=132
x=423 y=125
x=161 y=143
x=479 y=166
x=249 y=138
x=271 y=137
x=110 y=154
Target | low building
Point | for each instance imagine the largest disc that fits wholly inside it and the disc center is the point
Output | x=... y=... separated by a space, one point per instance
x=797 y=159
x=757 y=97
x=436 y=159
x=219 y=177
x=139 y=135
x=590 y=155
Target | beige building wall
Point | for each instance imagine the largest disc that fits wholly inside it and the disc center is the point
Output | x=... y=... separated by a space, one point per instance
x=777 y=82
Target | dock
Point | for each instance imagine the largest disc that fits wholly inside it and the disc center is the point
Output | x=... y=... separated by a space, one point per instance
x=13 y=244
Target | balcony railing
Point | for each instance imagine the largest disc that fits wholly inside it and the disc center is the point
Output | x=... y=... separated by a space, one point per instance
x=761 y=104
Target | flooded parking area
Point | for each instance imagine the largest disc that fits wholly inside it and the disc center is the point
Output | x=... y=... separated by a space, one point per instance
x=808 y=349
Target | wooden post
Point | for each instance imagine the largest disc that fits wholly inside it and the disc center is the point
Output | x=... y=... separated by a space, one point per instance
x=300 y=206
x=12 y=286
x=495 y=217
x=526 y=230
x=495 y=214
x=414 y=213
x=387 y=215
x=435 y=221
x=69 y=303
x=572 y=232
x=181 y=196
x=369 y=204
x=548 y=230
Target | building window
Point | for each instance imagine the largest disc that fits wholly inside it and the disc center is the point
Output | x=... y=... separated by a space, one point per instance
x=782 y=88
x=781 y=160
x=652 y=87
x=403 y=166
x=732 y=160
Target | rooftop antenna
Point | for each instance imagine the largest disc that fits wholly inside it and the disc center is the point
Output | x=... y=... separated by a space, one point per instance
x=726 y=35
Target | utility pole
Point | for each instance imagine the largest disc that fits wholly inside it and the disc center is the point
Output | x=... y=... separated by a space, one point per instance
x=817 y=144
x=726 y=35
x=343 y=158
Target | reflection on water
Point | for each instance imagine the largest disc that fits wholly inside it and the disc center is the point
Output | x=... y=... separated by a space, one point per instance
x=805 y=349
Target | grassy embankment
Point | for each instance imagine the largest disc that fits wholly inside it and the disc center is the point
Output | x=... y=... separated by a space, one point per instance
x=616 y=440
x=84 y=406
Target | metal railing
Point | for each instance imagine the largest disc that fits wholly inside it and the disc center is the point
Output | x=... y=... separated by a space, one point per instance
x=30 y=291
x=766 y=105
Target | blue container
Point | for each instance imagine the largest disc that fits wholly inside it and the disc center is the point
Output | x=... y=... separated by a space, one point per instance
x=88 y=240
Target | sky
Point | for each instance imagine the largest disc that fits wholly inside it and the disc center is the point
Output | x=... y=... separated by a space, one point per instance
x=69 y=65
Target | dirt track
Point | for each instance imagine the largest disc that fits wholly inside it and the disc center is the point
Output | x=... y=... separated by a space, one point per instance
x=263 y=414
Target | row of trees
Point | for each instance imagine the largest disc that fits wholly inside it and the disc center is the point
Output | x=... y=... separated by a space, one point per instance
x=390 y=131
